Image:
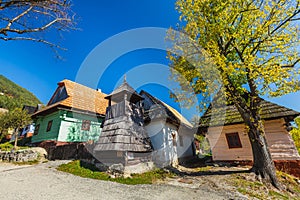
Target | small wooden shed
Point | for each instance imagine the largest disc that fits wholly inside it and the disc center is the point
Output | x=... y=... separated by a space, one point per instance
x=123 y=138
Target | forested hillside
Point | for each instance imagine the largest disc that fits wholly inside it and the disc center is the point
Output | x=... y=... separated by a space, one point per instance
x=13 y=95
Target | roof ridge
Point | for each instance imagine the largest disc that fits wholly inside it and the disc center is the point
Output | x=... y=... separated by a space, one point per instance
x=79 y=84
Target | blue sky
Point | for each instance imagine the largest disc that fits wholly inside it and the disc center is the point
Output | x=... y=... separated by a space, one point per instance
x=34 y=66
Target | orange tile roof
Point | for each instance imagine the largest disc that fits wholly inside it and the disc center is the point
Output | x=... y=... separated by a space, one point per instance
x=80 y=97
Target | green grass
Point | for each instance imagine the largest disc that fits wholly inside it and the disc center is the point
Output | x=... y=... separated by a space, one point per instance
x=32 y=162
x=88 y=171
x=8 y=146
x=277 y=195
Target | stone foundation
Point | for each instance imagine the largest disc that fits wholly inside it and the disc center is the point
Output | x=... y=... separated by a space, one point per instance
x=66 y=150
x=139 y=168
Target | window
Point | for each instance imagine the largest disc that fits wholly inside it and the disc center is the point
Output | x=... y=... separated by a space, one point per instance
x=85 y=125
x=130 y=156
x=59 y=95
x=119 y=154
x=49 y=125
x=36 y=130
x=233 y=140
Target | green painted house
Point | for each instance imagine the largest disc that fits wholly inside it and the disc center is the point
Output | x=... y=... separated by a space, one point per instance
x=74 y=114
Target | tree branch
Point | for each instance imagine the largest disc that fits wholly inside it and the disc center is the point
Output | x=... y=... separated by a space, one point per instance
x=34 y=40
x=18 y=17
x=292 y=65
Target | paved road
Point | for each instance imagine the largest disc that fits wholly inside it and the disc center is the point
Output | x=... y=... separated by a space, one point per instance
x=44 y=182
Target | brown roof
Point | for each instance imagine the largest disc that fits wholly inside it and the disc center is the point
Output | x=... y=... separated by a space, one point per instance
x=269 y=111
x=79 y=97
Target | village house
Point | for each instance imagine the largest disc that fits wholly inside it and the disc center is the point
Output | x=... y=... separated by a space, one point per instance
x=28 y=130
x=229 y=140
x=74 y=114
x=139 y=128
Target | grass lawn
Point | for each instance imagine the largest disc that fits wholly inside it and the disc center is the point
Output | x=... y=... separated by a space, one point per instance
x=88 y=171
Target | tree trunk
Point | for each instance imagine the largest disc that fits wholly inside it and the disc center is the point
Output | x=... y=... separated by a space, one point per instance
x=16 y=139
x=263 y=165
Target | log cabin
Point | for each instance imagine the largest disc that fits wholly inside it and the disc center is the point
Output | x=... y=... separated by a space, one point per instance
x=229 y=140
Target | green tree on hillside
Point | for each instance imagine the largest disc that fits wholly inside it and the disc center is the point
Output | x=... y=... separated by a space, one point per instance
x=13 y=96
x=254 y=46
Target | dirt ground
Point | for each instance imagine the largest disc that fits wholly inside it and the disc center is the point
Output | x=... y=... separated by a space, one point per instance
x=43 y=181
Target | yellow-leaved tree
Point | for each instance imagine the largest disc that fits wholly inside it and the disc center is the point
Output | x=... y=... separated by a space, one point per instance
x=295 y=132
x=254 y=48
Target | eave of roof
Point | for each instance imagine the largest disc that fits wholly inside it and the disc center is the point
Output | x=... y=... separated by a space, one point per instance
x=79 y=97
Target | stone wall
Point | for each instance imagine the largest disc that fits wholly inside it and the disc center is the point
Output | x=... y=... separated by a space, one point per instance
x=66 y=150
x=19 y=156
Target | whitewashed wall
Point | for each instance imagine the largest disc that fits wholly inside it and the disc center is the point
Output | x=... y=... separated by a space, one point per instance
x=165 y=151
x=186 y=150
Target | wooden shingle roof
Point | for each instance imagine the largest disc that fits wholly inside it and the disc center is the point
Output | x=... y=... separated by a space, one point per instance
x=78 y=97
x=269 y=111
x=123 y=130
x=124 y=88
x=159 y=109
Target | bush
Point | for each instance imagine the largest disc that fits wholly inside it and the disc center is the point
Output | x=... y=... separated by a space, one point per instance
x=6 y=146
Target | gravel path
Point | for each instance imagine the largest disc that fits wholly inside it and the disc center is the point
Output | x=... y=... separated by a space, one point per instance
x=44 y=182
